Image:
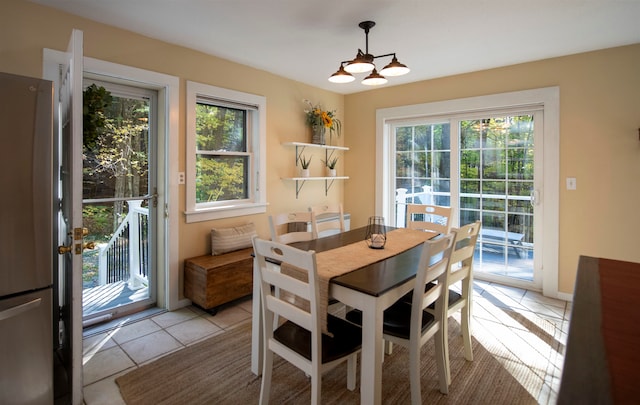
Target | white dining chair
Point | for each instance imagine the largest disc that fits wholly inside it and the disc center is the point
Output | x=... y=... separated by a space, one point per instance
x=411 y=326
x=460 y=271
x=290 y=227
x=425 y=217
x=327 y=218
x=298 y=338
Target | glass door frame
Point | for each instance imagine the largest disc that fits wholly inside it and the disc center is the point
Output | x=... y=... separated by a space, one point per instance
x=134 y=90
x=546 y=99
x=169 y=287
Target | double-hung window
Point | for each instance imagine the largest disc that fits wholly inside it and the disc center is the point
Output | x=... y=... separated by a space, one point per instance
x=226 y=153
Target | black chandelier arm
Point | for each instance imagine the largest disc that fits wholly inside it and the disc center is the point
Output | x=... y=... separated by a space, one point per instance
x=385 y=55
x=375 y=57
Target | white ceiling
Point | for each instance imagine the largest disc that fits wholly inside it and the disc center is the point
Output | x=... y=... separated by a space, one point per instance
x=306 y=40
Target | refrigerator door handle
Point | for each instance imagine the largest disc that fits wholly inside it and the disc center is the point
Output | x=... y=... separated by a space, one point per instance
x=18 y=309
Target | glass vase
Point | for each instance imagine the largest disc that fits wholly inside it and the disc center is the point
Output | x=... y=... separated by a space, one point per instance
x=317 y=134
x=376 y=236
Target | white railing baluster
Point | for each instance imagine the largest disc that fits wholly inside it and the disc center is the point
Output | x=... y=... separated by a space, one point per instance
x=135 y=281
x=136 y=277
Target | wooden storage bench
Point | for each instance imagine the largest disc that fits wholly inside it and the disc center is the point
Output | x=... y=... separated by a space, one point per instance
x=210 y=281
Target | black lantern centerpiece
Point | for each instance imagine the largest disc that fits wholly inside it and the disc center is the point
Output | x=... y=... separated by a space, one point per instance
x=376 y=236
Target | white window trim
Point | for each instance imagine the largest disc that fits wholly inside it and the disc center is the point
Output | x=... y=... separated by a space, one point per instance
x=549 y=98
x=258 y=204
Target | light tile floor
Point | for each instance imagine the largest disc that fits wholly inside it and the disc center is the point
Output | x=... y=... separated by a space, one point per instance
x=535 y=338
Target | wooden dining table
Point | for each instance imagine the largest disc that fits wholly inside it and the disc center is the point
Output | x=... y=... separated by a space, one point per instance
x=601 y=356
x=371 y=288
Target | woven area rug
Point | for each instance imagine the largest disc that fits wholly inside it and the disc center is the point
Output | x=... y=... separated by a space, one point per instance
x=217 y=371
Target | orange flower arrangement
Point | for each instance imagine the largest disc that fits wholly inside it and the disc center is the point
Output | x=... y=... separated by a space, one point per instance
x=317 y=116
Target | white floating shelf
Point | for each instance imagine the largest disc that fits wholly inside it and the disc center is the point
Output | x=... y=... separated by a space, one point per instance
x=315 y=145
x=316 y=178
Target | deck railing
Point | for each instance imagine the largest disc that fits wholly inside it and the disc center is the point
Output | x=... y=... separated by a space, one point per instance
x=491 y=236
x=403 y=198
x=125 y=256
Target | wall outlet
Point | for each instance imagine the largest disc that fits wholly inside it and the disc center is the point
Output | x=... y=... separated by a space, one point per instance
x=181 y=178
x=571 y=183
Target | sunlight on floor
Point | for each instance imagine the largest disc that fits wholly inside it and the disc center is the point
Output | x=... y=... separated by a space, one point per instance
x=526 y=336
x=525 y=332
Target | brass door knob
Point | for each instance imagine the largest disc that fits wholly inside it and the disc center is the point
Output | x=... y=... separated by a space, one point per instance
x=89 y=245
x=64 y=249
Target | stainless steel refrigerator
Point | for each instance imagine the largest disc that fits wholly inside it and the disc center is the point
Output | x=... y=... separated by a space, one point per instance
x=26 y=240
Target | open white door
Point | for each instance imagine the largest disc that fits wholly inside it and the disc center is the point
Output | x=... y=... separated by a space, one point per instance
x=70 y=231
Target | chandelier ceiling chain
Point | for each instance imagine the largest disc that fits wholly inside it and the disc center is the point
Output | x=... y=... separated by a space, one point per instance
x=363 y=63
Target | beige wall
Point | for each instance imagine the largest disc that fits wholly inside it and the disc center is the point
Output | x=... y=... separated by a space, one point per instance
x=26 y=28
x=599 y=93
x=599 y=145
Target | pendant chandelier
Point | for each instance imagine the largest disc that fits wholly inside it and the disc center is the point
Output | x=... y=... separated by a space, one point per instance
x=363 y=63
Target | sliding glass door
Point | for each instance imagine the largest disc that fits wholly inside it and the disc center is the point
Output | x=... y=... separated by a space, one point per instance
x=422 y=166
x=484 y=167
x=497 y=187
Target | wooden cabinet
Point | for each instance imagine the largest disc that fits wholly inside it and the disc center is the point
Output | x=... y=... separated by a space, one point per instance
x=210 y=281
x=329 y=152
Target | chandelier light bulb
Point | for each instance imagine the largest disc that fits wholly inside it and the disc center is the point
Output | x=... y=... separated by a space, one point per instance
x=341 y=76
x=394 y=68
x=374 y=79
x=362 y=63
x=359 y=67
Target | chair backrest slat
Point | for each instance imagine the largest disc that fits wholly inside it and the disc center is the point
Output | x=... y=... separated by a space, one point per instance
x=434 y=262
x=427 y=217
x=464 y=245
x=290 y=227
x=324 y=211
x=289 y=311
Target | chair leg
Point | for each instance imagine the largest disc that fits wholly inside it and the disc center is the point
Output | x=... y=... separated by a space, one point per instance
x=316 y=380
x=352 y=366
x=267 y=371
x=388 y=348
x=442 y=361
x=414 y=373
x=465 y=314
